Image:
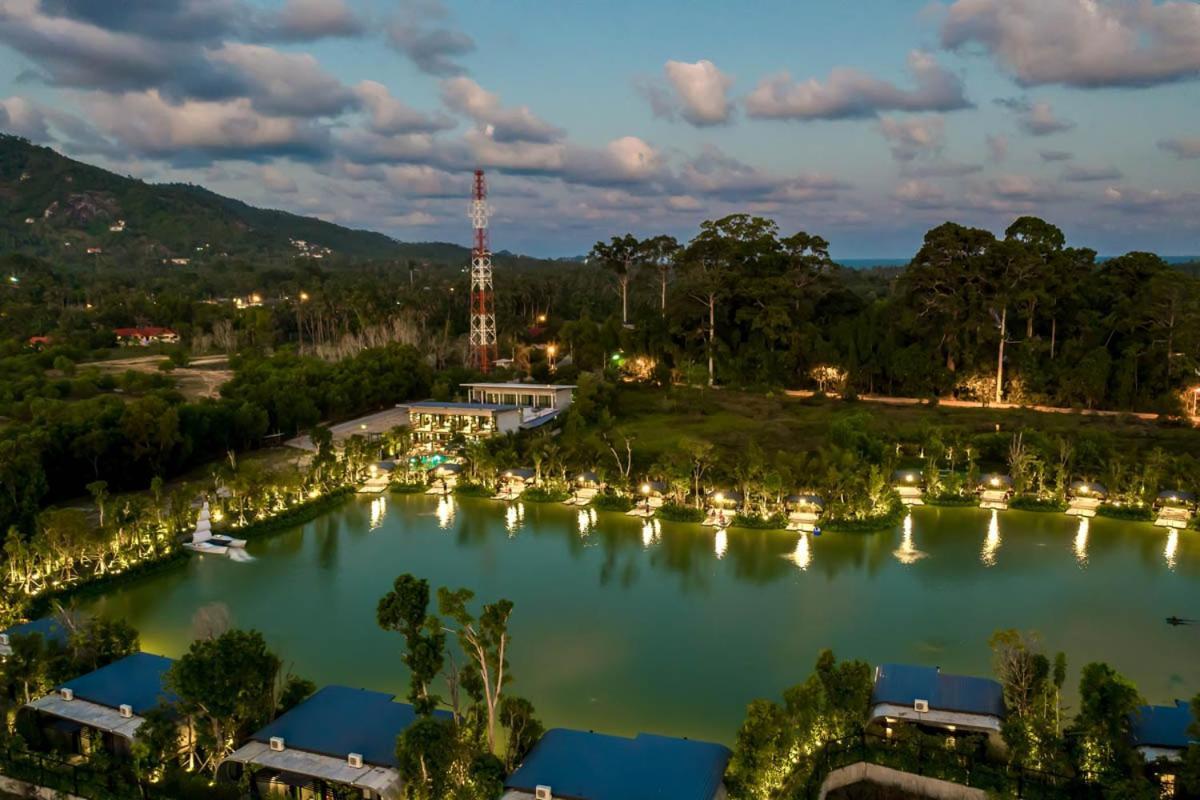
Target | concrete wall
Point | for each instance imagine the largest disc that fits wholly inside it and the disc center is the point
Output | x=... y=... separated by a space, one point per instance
x=905 y=781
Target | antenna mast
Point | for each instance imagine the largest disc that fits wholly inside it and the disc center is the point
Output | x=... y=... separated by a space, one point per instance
x=483 y=302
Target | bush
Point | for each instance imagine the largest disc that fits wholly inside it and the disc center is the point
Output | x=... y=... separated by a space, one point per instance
x=952 y=500
x=611 y=502
x=407 y=488
x=296 y=515
x=539 y=494
x=673 y=512
x=473 y=490
x=1134 y=513
x=1028 y=502
x=880 y=522
x=775 y=522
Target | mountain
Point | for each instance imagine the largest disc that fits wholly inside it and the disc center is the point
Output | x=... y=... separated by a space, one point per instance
x=58 y=208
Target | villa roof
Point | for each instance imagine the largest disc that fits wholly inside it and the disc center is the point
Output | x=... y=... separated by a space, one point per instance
x=542 y=419
x=525 y=473
x=1176 y=496
x=996 y=479
x=813 y=499
x=136 y=681
x=1092 y=487
x=1163 y=726
x=902 y=684
x=518 y=385
x=48 y=628
x=593 y=766
x=339 y=720
x=731 y=495
x=467 y=407
x=587 y=476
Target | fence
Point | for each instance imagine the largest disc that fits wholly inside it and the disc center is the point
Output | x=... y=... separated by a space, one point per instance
x=61 y=775
x=930 y=757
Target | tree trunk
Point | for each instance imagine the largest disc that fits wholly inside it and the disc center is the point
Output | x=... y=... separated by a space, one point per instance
x=663 y=307
x=1053 y=334
x=1000 y=355
x=625 y=301
x=712 y=330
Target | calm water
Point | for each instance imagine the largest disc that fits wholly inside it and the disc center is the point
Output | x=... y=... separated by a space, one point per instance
x=674 y=629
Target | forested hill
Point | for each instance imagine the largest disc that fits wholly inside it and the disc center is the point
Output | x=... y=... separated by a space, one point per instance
x=57 y=208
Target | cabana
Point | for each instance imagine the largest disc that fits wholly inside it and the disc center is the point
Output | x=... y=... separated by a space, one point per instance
x=205 y=541
x=721 y=507
x=1174 y=509
x=592 y=766
x=515 y=481
x=1085 y=497
x=52 y=631
x=804 y=511
x=584 y=489
x=444 y=477
x=909 y=484
x=932 y=699
x=111 y=702
x=994 y=491
x=379 y=477
x=653 y=495
x=1160 y=733
x=341 y=742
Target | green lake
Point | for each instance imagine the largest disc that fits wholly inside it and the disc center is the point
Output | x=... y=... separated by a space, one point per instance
x=672 y=628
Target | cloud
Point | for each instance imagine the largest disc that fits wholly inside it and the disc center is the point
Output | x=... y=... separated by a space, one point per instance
x=390 y=116
x=997 y=147
x=1082 y=174
x=306 y=20
x=1137 y=200
x=23 y=118
x=1182 y=148
x=1083 y=43
x=1018 y=187
x=913 y=136
x=850 y=93
x=413 y=219
x=285 y=83
x=700 y=93
x=277 y=180
x=200 y=131
x=434 y=51
x=919 y=194
x=1055 y=155
x=713 y=173
x=1036 y=119
x=519 y=124
x=939 y=168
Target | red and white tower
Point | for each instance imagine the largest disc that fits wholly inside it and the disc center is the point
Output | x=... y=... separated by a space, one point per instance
x=483 y=303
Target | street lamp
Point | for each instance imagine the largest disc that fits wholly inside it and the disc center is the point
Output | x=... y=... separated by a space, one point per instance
x=551 y=352
x=304 y=297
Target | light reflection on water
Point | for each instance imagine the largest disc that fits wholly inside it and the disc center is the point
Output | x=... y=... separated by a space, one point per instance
x=991 y=545
x=445 y=511
x=1171 y=549
x=720 y=543
x=1081 y=542
x=908 y=553
x=802 y=555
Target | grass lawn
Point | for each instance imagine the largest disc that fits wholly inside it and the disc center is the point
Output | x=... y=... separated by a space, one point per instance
x=728 y=419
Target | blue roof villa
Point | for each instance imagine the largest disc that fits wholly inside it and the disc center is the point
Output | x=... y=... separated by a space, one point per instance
x=578 y=765
x=337 y=740
x=1161 y=732
x=927 y=696
x=112 y=701
x=49 y=628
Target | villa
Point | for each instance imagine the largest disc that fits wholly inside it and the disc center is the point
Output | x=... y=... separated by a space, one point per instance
x=721 y=507
x=908 y=483
x=1174 y=509
x=804 y=511
x=1085 y=497
x=994 y=491
x=492 y=409
x=513 y=482
x=578 y=765
x=50 y=629
x=654 y=495
x=111 y=702
x=145 y=336
x=337 y=741
x=444 y=477
x=584 y=489
x=933 y=699
x=1161 y=732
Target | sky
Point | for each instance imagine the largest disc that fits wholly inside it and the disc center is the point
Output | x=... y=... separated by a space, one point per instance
x=865 y=123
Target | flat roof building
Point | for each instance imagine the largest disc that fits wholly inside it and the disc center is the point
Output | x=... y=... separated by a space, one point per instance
x=340 y=738
x=579 y=765
x=49 y=628
x=535 y=396
x=1162 y=731
x=928 y=696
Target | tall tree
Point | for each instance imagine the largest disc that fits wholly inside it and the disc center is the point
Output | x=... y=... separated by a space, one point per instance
x=485 y=643
x=620 y=255
x=405 y=610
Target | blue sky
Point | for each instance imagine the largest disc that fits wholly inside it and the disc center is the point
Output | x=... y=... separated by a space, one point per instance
x=865 y=123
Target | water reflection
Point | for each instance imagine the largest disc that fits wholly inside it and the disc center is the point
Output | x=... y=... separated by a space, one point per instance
x=802 y=555
x=586 y=520
x=721 y=543
x=908 y=553
x=378 y=513
x=991 y=545
x=651 y=531
x=1171 y=548
x=1081 y=542
x=445 y=511
x=514 y=515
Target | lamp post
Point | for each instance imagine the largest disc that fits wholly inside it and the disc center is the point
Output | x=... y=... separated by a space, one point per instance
x=551 y=352
x=646 y=496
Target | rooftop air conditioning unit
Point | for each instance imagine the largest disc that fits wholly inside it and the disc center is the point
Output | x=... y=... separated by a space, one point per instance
x=543 y=793
x=276 y=744
x=355 y=760
x=921 y=706
x=4 y=642
x=66 y=694
x=126 y=710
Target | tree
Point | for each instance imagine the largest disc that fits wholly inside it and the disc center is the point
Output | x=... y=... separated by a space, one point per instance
x=404 y=610
x=1107 y=703
x=1031 y=696
x=661 y=251
x=619 y=255
x=225 y=686
x=485 y=642
x=522 y=729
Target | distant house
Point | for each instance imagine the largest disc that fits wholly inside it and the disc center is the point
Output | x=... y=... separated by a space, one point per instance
x=112 y=701
x=1161 y=732
x=38 y=342
x=117 y=227
x=30 y=220
x=145 y=336
x=579 y=765
x=49 y=628
x=341 y=742
x=94 y=251
x=929 y=697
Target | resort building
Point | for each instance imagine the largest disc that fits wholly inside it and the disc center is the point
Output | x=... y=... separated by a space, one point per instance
x=1174 y=509
x=111 y=702
x=584 y=488
x=930 y=698
x=804 y=511
x=1161 y=732
x=1084 y=498
x=578 y=765
x=341 y=742
x=50 y=629
x=492 y=409
x=513 y=482
x=533 y=398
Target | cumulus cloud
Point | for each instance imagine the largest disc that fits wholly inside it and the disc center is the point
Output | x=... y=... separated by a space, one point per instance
x=716 y=174
x=913 y=136
x=920 y=194
x=505 y=125
x=997 y=147
x=1036 y=119
x=1182 y=148
x=20 y=116
x=285 y=83
x=1084 y=43
x=1138 y=200
x=389 y=116
x=698 y=92
x=1018 y=187
x=849 y=93
x=276 y=180
x=305 y=20
x=1082 y=174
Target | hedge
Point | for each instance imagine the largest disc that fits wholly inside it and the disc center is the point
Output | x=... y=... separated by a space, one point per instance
x=1133 y=513
x=539 y=495
x=952 y=500
x=611 y=502
x=1026 y=502
x=775 y=522
x=672 y=512
x=407 y=488
x=473 y=490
